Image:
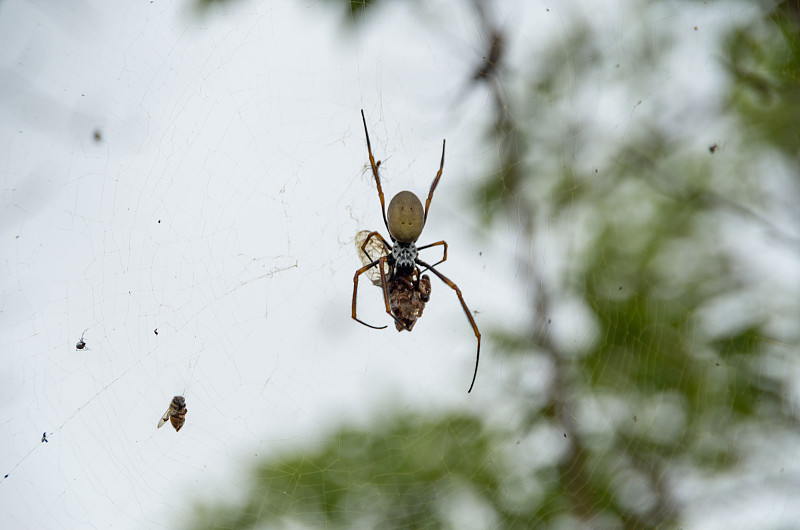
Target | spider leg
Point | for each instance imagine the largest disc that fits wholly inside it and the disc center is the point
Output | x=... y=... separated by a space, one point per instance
x=359 y=272
x=386 y=245
x=433 y=186
x=438 y=243
x=375 y=172
x=466 y=311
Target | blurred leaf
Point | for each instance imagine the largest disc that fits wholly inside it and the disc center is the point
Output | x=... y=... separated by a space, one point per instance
x=764 y=59
x=397 y=475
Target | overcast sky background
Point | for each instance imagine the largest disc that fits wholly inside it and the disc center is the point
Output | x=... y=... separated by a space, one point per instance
x=219 y=206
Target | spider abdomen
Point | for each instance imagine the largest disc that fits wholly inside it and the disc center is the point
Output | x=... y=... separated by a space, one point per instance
x=405 y=217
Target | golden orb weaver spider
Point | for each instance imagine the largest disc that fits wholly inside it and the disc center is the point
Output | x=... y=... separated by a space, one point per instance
x=404 y=287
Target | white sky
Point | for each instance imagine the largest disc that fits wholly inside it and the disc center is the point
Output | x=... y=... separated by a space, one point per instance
x=219 y=207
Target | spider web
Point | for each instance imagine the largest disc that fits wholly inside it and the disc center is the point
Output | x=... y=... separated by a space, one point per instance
x=186 y=183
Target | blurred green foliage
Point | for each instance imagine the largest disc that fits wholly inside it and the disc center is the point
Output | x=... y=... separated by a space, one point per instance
x=672 y=383
x=395 y=475
x=764 y=60
x=352 y=13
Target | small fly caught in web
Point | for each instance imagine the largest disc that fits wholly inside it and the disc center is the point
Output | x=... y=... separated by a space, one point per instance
x=405 y=288
x=81 y=344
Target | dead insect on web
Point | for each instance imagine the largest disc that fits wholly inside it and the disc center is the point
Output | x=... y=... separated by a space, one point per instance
x=81 y=343
x=176 y=413
x=44 y=437
x=407 y=298
x=405 y=289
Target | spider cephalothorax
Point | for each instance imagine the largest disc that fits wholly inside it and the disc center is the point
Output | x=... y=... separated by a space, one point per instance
x=403 y=256
x=405 y=289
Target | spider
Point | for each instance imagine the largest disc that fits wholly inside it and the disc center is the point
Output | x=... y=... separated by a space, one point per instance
x=398 y=266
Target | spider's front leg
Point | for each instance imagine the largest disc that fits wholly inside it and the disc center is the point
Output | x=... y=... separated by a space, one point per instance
x=434 y=184
x=374 y=167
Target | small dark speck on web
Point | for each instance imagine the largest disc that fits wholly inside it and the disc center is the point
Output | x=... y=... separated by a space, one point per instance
x=159 y=221
x=97 y=135
x=6 y=476
x=155 y=331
